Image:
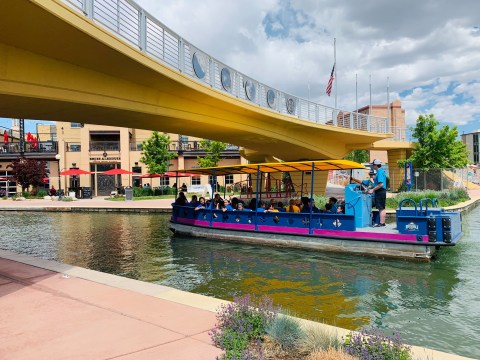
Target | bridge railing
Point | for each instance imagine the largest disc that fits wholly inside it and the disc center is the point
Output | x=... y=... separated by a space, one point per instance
x=132 y=23
x=181 y=146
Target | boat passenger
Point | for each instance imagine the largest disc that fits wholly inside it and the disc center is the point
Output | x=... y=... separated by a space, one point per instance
x=333 y=201
x=261 y=206
x=226 y=205
x=328 y=208
x=234 y=202
x=200 y=204
x=181 y=200
x=216 y=202
x=241 y=207
x=380 y=191
x=194 y=201
x=280 y=207
x=306 y=208
x=271 y=208
x=298 y=203
x=292 y=207
x=253 y=204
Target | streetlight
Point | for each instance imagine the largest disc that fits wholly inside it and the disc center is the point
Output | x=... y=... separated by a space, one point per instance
x=58 y=157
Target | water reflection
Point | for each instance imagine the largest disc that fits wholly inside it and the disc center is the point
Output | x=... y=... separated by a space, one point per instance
x=434 y=304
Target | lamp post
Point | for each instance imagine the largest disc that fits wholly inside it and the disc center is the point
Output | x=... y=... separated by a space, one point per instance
x=58 y=157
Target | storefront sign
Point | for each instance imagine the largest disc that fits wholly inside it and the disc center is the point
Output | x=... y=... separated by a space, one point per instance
x=104 y=159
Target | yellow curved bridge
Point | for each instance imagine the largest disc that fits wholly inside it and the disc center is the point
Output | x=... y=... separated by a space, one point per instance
x=58 y=64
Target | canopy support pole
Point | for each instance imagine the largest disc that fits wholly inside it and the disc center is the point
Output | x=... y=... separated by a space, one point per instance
x=310 y=227
x=259 y=175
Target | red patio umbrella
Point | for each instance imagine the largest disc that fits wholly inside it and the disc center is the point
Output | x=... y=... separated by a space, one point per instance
x=150 y=176
x=180 y=174
x=5 y=137
x=118 y=172
x=74 y=172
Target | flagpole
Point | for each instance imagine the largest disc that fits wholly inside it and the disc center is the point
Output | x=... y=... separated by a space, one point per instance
x=356 y=92
x=335 y=65
x=387 y=125
x=370 y=107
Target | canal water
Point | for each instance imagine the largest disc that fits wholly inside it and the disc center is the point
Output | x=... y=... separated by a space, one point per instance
x=436 y=304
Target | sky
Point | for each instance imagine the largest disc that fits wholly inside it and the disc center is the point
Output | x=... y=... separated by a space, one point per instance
x=428 y=50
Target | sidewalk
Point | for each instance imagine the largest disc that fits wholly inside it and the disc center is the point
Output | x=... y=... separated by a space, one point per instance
x=55 y=311
x=95 y=204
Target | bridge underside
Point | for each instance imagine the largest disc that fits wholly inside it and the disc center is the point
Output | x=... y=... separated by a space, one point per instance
x=55 y=64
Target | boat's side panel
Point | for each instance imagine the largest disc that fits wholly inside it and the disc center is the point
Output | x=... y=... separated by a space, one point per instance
x=377 y=248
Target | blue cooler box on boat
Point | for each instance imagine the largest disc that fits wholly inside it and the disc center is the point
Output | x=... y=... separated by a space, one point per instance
x=358 y=204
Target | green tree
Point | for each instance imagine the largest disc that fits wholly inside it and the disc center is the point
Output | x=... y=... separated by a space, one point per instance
x=156 y=154
x=437 y=148
x=29 y=172
x=359 y=156
x=213 y=151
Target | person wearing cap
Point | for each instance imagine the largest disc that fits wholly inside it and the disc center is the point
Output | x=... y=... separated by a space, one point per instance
x=380 y=191
x=367 y=183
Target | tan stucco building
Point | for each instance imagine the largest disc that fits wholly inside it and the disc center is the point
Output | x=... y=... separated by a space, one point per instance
x=98 y=148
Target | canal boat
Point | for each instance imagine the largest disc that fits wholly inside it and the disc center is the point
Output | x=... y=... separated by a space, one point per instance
x=419 y=230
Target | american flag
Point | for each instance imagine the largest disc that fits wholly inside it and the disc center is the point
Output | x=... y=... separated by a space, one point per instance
x=330 y=81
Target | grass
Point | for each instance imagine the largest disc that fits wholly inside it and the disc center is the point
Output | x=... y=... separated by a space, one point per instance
x=317 y=339
x=122 y=198
x=285 y=331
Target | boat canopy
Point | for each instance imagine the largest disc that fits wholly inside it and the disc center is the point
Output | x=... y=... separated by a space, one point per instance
x=307 y=165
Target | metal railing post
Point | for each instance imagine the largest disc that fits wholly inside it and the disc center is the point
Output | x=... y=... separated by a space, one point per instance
x=88 y=8
x=142 y=30
x=181 y=55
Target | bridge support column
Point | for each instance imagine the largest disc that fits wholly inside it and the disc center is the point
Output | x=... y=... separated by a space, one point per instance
x=396 y=174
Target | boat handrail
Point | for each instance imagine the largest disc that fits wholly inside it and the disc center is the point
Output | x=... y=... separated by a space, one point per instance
x=408 y=200
x=426 y=201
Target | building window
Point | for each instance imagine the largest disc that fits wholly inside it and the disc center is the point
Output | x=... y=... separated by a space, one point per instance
x=228 y=179
x=74 y=147
x=165 y=181
x=196 y=180
x=76 y=125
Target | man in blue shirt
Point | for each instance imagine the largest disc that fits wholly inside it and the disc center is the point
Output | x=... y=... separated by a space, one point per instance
x=380 y=191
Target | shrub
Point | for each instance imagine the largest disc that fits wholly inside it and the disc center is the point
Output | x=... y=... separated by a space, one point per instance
x=240 y=322
x=26 y=194
x=330 y=354
x=41 y=193
x=285 y=331
x=316 y=339
x=372 y=344
x=445 y=198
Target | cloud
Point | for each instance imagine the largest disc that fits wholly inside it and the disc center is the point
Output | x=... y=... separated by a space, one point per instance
x=428 y=49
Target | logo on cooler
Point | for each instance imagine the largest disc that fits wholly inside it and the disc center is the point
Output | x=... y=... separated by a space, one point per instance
x=411 y=226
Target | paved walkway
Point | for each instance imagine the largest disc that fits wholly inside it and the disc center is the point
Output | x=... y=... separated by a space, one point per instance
x=50 y=310
x=55 y=311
